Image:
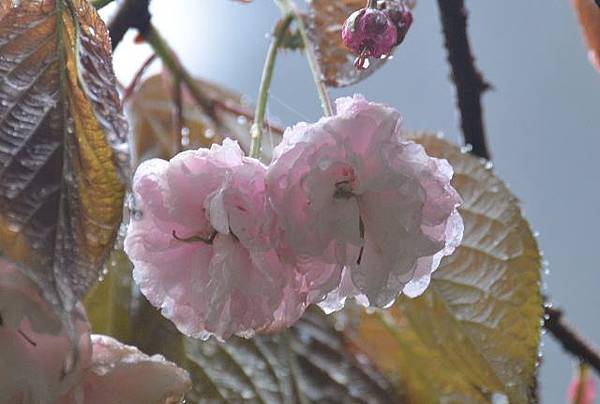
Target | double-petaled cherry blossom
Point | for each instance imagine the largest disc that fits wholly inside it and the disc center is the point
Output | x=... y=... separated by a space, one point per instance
x=351 y=190
x=224 y=245
x=203 y=246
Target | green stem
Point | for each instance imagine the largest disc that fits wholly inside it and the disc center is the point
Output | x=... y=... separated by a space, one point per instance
x=171 y=62
x=288 y=7
x=265 y=84
x=98 y=4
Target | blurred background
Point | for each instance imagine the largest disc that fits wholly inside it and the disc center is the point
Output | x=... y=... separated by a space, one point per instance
x=543 y=117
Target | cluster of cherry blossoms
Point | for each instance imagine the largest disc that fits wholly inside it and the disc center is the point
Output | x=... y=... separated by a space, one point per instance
x=225 y=245
x=43 y=362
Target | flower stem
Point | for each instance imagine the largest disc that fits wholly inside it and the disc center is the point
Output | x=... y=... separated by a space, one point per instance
x=288 y=6
x=265 y=84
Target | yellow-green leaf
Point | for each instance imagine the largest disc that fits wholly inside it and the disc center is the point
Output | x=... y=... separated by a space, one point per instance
x=62 y=143
x=476 y=330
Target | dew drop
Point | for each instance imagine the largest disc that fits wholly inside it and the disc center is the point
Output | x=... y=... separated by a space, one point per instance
x=242 y=120
x=14 y=227
x=185 y=136
x=209 y=133
x=247 y=394
x=466 y=148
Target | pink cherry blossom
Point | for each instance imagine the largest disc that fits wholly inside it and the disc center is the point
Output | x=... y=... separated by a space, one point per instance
x=119 y=373
x=350 y=190
x=202 y=246
x=39 y=362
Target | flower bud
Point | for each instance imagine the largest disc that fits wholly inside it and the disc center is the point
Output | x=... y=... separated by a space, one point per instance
x=401 y=17
x=369 y=32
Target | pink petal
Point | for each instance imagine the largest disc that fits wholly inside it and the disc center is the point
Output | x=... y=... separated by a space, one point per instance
x=121 y=374
x=38 y=362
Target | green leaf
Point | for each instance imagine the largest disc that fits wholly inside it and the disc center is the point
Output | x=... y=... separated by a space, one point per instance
x=62 y=144
x=476 y=330
x=311 y=362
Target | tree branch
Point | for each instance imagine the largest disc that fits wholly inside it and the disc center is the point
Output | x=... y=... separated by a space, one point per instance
x=469 y=82
x=131 y=14
x=568 y=338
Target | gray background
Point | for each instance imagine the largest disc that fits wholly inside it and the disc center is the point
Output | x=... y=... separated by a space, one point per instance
x=543 y=117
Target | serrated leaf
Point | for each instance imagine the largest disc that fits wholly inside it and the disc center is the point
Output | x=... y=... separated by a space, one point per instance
x=62 y=140
x=588 y=12
x=325 y=21
x=151 y=108
x=309 y=363
x=476 y=330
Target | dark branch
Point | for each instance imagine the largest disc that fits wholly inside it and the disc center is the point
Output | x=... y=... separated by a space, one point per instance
x=131 y=14
x=469 y=82
x=569 y=339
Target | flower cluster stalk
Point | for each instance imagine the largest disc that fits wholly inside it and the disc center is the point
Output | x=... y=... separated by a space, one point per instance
x=265 y=84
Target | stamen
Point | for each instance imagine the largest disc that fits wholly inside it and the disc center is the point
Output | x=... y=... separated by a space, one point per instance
x=361 y=230
x=26 y=338
x=360 y=254
x=195 y=239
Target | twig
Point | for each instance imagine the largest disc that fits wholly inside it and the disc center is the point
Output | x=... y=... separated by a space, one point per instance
x=569 y=339
x=265 y=84
x=177 y=116
x=135 y=14
x=131 y=14
x=137 y=78
x=171 y=61
x=469 y=82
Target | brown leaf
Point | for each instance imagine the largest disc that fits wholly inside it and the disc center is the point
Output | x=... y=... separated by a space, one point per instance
x=62 y=144
x=325 y=21
x=151 y=109
x=588 y=12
